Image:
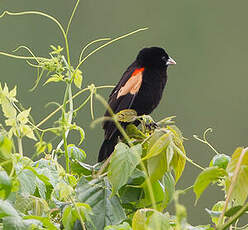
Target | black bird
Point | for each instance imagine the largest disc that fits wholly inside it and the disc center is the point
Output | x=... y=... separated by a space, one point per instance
x=140 y=88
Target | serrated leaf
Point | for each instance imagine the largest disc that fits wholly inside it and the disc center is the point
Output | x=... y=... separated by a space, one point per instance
x=106 y=209
x=22 y=117
x=28 y=132
x=122 y=164
x=168 y=184
x=207 y=176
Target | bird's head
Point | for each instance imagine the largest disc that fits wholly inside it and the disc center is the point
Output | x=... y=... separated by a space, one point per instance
x=154 y=57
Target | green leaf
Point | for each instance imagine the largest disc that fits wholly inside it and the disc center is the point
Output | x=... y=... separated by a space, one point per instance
x=148 y=219
x=124 y=226
x=27 y=182
x=240 y=190
x=168 y=184
x=232 y=211
x=178 y=161
x=126 y=115
x=159 y=146
x=134 y=132
x=6 y=209
x=78 y=78
x=14 y=223
x=209 y=175
x=76 y=153
x=106 y=209
x=5 y=154
x=81 y=168
x=68 y=217
x=216 y=211
x=122 y=164
x=5 y=185
x=157 y=166
x=54 y=78
x=44 y=220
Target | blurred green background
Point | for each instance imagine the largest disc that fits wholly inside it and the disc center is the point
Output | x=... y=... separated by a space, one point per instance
x=207 y=87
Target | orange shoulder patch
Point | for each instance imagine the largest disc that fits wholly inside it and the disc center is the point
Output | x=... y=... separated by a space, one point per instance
x=135 y=72
x=133 y=84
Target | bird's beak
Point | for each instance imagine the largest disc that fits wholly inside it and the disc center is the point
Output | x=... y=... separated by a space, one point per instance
x=170 y=62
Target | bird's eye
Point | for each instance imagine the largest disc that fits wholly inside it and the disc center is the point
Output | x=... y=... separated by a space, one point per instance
x=164 y=58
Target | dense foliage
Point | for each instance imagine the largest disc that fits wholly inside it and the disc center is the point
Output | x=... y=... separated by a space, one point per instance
x=130 y=190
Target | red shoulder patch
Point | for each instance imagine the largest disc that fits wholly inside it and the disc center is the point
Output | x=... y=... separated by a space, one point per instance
x=136 y=71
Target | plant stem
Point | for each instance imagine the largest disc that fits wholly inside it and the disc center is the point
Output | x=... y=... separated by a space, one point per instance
x=233 y=218
x=20 y=149
x=67 y=160
x=230 y=190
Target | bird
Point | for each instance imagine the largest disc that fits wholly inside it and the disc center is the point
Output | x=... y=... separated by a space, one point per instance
x=140 y=88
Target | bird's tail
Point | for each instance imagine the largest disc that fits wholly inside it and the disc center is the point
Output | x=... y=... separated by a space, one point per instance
x=107 y=148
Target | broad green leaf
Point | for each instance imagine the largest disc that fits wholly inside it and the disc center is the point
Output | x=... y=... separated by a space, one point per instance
x=68 y=217
x=240 y=190
x=14 y=223
x=124 y=226
x=148 y=219
x=63 y=191
x=178 y=161
x=158 y=221
x=76 y=153
x=134 y=132
x=207 y=176
x=6 y=209
x=122 y=164
x=159 y=146
x=25 y=178
x=44 y=220
x=41 y=188
x=5 y=185
x=158 y=194
x=126 y=115
x=81 y=168
x=235 y=158
x=5 y=153
x=168 y=185
x=106 y=209
x=157 y=166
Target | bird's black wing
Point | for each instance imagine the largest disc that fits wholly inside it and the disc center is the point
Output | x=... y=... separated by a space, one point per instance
x=123 y=96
